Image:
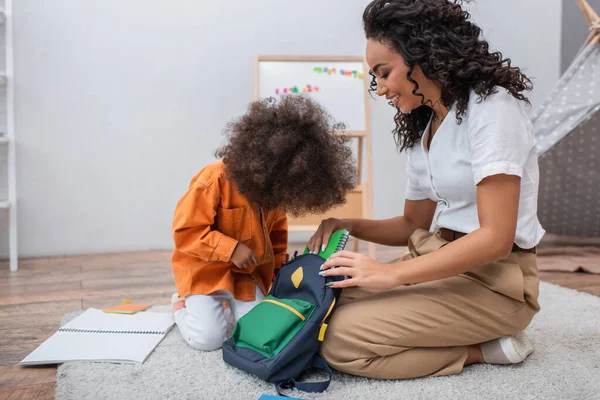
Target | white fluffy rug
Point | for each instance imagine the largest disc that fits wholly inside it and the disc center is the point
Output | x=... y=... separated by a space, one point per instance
x=565 y=365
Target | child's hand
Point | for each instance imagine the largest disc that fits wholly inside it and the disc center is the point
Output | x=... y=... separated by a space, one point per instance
x=243 y=256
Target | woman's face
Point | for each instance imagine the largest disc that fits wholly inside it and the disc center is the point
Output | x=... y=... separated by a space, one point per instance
x=390 y=70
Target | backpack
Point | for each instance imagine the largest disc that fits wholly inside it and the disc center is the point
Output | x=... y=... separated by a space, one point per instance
x=279 y=338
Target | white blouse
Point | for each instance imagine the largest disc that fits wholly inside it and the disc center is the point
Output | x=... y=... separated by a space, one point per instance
x=495 y=137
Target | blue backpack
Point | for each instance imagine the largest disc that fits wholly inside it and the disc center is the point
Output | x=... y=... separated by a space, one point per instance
x=279 y=338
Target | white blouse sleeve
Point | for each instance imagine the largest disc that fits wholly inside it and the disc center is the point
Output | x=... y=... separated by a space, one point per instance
x=415 y=173
x=500 y=136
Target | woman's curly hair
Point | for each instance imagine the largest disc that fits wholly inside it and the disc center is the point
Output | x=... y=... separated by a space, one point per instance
x=289 y=154
x=437 y=36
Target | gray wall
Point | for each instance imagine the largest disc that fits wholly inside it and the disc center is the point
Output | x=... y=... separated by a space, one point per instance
x=575 y=30
x=119 y=103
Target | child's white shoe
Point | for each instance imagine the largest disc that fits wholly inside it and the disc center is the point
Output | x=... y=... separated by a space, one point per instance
x=507 y=350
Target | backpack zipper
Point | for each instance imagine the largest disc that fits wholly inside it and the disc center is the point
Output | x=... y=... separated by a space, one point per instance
x=329 y=311
x=289 y=308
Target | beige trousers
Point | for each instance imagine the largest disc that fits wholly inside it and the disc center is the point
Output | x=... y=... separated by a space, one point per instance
x=425 y=329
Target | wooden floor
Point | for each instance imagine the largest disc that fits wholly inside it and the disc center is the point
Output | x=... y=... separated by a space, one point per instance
x=33 y=300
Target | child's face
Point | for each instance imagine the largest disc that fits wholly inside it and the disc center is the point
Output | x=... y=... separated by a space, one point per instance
x=391 y=71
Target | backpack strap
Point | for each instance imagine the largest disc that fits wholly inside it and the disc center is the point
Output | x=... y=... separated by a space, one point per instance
x=310 y=387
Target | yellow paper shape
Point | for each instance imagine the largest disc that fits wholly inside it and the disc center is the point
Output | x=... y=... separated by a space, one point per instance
x=297 y=277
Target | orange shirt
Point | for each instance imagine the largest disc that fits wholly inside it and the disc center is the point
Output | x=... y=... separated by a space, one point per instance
x=210 y=219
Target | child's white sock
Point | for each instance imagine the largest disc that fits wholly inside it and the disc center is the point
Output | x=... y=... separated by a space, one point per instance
x=507 y=350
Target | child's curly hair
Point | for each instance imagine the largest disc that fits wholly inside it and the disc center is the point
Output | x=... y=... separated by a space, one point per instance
x=284 y=154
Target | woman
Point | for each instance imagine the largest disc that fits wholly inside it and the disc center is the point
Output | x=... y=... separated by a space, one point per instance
x=469 y=287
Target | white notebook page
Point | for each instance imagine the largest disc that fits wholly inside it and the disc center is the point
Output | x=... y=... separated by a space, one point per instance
x=89 y=338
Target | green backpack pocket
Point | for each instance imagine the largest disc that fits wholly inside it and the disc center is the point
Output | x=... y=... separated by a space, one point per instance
x=271 y=324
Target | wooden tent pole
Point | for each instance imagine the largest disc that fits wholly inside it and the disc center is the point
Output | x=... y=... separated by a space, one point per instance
x=592 y=19
x=588 y=12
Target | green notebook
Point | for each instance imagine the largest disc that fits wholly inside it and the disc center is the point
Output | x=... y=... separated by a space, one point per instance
x=337 y=242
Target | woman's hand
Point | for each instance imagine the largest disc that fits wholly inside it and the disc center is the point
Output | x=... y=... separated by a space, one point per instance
x=360 y=270
x=323 y=233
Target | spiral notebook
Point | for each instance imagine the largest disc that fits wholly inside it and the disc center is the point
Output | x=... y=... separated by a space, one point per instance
x=337 y=242
x=98 y=336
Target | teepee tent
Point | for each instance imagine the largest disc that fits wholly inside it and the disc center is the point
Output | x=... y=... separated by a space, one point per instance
x=567 y=128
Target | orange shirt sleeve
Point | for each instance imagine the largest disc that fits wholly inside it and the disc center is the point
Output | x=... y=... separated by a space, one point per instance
x=279 y=239
x=194 y=215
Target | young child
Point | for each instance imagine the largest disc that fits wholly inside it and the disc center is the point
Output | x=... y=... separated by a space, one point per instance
x=230 y=227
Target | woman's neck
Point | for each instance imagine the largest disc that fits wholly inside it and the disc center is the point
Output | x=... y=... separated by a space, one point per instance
x=433 y=92
x=440 y=111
